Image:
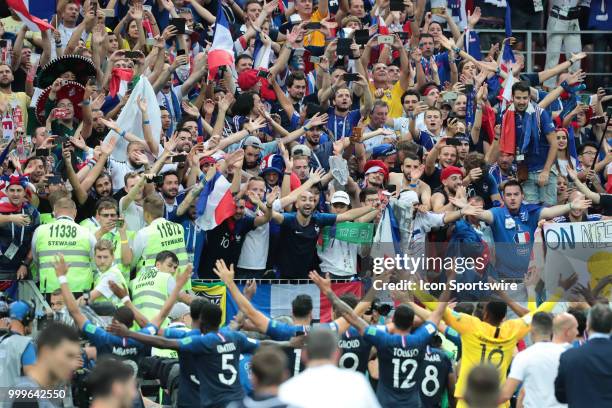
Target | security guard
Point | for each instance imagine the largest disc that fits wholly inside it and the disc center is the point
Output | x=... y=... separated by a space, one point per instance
x=159 y=235
x=17 y=350
x=65 y=236
x=153 y=285
x=106 y=225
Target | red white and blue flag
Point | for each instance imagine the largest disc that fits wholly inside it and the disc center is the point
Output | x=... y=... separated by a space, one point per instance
x=22 y=9
x=522 y=237
x=215 y=203
x=221 y=52
x=506 y=63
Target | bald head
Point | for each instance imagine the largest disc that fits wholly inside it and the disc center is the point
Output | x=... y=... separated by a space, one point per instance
x=565 y=328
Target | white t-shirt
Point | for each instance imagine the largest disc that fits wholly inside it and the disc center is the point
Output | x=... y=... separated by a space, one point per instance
x=328 y=386
x=339 y=258
x=536 y=368
x=254 y=252
x=133 y=215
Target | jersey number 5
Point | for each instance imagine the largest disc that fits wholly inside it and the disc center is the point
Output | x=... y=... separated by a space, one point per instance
x=226 y=365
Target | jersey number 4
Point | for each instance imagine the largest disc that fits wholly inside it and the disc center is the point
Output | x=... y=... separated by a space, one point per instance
x=408 y=366
x=226 y=366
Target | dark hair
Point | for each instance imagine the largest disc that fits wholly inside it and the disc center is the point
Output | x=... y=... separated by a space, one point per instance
x=169 y=173
x=580 y=317
x=31 y=159
x=436 y=341
x=587 y=144
x=54 y=334
x=412 y=92
x=482 y=388
x=244 y=103
x=600 y=319
x=425 y=35
x=321 y=344
x=246 y=5
x=210 y=317
x=474 y=160
x=163 y=255
x=124 y=315
x=185 y=119
x=268 y=366
x=510 y=183
x=542 y=323
x=520 y=86
x=154 y=205
x=301 y=306
x=295 y=76
x=403 y=317
x=366 y=192
x=107 y=372
x=195 y=308
x=243 y=56
x=497 y=311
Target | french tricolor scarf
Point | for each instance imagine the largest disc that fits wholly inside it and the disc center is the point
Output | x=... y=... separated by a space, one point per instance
x=531 y=128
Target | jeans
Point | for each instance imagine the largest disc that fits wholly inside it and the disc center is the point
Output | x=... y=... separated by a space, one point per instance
x=570 y=42
x=534 y=194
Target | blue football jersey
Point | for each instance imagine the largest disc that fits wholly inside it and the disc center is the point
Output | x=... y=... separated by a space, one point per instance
x=217 y=357
x=433 y=376
x=355 y=351
x=188 y=382
x=399 y=358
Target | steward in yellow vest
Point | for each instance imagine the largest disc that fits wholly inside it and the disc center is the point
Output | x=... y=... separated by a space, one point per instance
x=65 y=236
x=159 y=235
x=153 y=285
x=106 y=225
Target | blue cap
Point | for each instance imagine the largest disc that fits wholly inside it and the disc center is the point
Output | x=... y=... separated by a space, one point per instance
x=19 y=310
x=385 y=149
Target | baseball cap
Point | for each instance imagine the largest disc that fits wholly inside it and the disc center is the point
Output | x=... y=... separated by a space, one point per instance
x=252 y=141
x=449 y=171
x=341 y=197
x=19 y=310
x=301 y=150
x=178 y=310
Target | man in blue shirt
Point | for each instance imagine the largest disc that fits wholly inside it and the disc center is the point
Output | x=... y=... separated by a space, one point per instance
x=300 y=231
x=216 y=352
x=536 y=144
x=513 y=227
x=16 y=347
x=400 y=350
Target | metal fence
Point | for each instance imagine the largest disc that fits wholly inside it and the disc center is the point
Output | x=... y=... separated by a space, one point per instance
x=531 y=54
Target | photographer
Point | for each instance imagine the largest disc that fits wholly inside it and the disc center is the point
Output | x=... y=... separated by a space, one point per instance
x=479 y=182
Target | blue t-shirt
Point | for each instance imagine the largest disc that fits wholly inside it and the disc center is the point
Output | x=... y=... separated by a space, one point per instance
x=399 y=358
x=299 y=242
x=342 y=126
x=355 y=351
x=216 y=357
x=513 y=235
x=536 y=160
x=124 y=348
x=282 y=332
x=244 y=372
x=190 y=390
x=433 y=376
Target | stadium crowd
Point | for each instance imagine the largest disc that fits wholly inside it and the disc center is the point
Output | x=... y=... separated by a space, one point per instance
x=148 y=146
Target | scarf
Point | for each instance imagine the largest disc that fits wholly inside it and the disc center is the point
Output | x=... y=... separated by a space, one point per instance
x=120 y=78
x=531 y=128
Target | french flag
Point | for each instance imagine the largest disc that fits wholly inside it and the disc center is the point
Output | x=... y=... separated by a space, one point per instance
x=22 y=9
x=215 y=203
x=221 y=52
x=275 y=300
x=522 y=237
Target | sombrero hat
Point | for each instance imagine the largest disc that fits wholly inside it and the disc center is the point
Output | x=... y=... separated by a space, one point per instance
x=70 y=90
x=81 y=67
